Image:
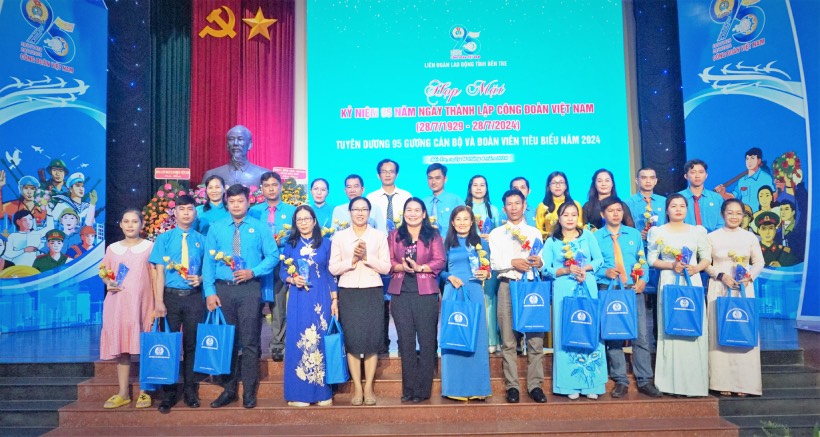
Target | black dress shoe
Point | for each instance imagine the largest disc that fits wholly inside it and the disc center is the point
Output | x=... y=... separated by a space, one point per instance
x=650 y=390
x=224 y=399
x=249 y=400
x=512 y=395
x=538 y=395
x=417 y=399
x=277 y=355
x=620 y=391
x=406 y=398
x=191 y=399
x=164 y=406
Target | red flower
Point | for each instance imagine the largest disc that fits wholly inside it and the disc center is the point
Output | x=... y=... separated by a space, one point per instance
x=526 y=245
x=784 y=164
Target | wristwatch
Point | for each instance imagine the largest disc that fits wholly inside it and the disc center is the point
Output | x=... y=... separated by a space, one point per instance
x=719 y=277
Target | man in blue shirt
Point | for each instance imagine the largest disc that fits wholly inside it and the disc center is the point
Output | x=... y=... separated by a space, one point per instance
x=622 y=249
x=441 y=203
x=646 y=201
x=177 y=257
x=702 y=205
x=747 y=186
x=278 y=215
x=237 y=290
x=521 y=184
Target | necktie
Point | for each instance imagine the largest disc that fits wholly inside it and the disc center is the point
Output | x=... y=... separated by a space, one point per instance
x=271 y=214
x=648 y=201
x=434 y=208
x=390 y=207
x=619 y=257
x=237 y=248
x=696 y=201
x=185 y=250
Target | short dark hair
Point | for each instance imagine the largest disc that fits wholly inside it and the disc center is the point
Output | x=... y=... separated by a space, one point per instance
x=238 y=190
x=270 y=174
x=787 y=202
x=353 y=200
x=728 y=202
x=638 y=173
x=327 y=185
x=512 y=192
x=185 y=199
x=755 y=151
x=693 y=162
x=386 y=161
x=20 y=214
x=609 y=201
x=519 y=178
x=354 y=176
x=433 y=167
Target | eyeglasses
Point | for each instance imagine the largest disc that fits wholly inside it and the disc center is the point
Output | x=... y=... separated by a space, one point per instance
x=304 y=220
x=557 y=184
x=359 y=210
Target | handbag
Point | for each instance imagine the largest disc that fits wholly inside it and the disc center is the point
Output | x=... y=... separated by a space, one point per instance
x=579 y=327
x=214 y=344
x=619 y=316
x=160 y=353
x=683 y=308
x=737 y=321
x=336 y=371
x=530 y=305
x=459 y=321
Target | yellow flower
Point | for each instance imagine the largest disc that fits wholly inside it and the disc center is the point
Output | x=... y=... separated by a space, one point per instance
x=281 y=257
x=636 y=266
x=676 y=252
x=289 y=261
x=286 y=226
x=343 y=224
x=732 y=254
x=291 y=269
x=485 y=262
x=568 y=255
x=647 y=214
x=167 y=259
x=169 y=267
x=659 y=241
x=566 y=247
x=478 y=246
x=219 y=256
x=212 y=252
x=336 y=221
x=482 y=253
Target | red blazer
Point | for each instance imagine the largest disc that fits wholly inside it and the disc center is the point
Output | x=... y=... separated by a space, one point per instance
x=432 y=256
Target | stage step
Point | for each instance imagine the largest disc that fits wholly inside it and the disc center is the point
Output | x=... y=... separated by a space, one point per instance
x=791 y=398
x=31 y=394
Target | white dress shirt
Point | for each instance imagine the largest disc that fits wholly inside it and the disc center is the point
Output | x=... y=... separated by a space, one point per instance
x=378 y=202
x=504 y=247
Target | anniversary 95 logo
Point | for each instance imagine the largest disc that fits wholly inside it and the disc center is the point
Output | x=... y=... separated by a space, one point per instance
x=467 y=43
x=738 y=17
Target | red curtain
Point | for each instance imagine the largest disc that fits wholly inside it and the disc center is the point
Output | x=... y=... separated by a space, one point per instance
x=240 y=81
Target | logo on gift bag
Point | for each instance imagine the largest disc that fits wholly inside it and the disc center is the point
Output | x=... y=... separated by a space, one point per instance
x=684 y=304
x=458 y=319
x=617 y=307
x=210 y=342
x=581 y=317
x=737 y=315
x=533 y=300
x=159 y=351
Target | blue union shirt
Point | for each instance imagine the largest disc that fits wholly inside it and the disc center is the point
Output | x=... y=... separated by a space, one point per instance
x=170 y=244
x=709 y=202
x=631 y=244
x=445 y=205
x=257 y=247
x=637 y=206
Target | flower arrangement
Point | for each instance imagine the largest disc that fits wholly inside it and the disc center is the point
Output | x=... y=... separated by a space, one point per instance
x=293 y=192
x=327 y=230
x=651 y=220
x=42 y=197
x=338 y=225
x=291 y=268
x=785 y=166
x=637 y=269
x=741 y=262
x=433 y=221
x=158 y=214
x=106 y=274
x=283 y=234
x=683 y=254
x=516 y=234
x=178 y=267
x=227 y=259
x=569 y=254
x=484 y=263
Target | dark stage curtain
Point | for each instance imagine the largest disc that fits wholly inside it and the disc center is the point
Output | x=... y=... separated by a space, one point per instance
x=660 y=100
x=242 y=81
x=170 y=84
x=129 y=117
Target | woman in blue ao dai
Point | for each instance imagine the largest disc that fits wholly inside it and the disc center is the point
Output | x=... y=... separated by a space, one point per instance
x=312 y=300
x=574 y=371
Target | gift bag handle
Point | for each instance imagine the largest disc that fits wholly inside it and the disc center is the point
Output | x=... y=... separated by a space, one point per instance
x=616 y=281
x=218 y=317
x=586 y=290
x=685 y=276
x=741 y=291
x=155 y=327
x=334 y=326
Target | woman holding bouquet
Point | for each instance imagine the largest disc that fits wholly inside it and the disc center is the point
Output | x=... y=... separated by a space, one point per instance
x=466 y=375
x=546 y=215
x=128 y=308
x=359 y=255
x=732 y=369
x=682 y=363
x=417 y=257
x=487 y=217
x=214 y=208
x=571 y=256
x=312 y=300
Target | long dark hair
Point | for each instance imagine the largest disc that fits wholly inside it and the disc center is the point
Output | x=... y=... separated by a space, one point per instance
x=548 y=201
x=469 y=197
x=427 y=233
x=669 y=201
x=294 y=236
x=593 y=205
x=557 y=230
x=208 y=180
x=452 y=235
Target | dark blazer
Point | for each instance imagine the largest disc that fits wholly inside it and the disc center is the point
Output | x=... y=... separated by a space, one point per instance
x=432 y=256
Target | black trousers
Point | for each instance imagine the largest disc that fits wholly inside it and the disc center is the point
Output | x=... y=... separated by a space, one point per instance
x=242 y=306
x=186 y=313
x=278 y=311
x=416 y=318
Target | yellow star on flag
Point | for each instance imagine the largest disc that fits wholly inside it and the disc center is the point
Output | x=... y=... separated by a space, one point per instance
x=259 y=24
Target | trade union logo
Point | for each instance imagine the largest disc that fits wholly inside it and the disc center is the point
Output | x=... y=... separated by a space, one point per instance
x=617 y=307
x=737 y=315
x=684 y=304
x=159 y=351
x=533 y=300
x=581 y=317
x=467 y=43
x=458 y=319
x=210 y=342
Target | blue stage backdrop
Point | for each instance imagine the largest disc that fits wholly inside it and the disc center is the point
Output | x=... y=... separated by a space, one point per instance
x=744 y=86
x=498 y=88
x=53 y=57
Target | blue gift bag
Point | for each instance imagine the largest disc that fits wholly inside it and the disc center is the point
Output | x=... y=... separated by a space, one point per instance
x=683 y=308
x=737 y=322
x=619 y=316
x=579 y=327
x=336 y=371
x=214 y=345
x=160 y=355
x=459 y=321
x=530 y=305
